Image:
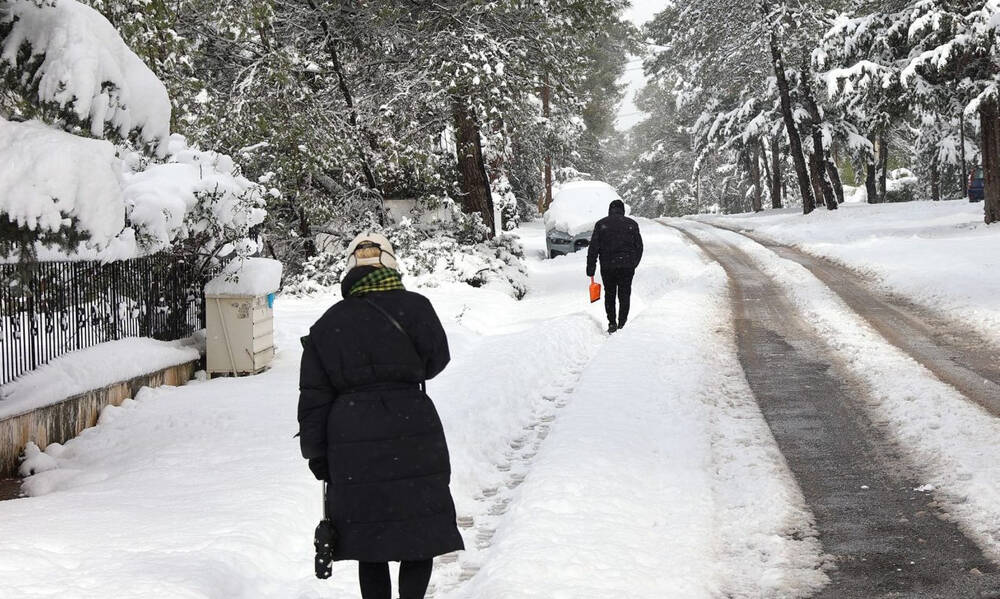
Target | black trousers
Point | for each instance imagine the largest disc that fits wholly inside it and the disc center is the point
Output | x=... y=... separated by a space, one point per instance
x=413 y=579
x=617 y=285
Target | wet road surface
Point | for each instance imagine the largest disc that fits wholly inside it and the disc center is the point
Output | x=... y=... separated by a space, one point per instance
x=884 y=538
x=954 y=352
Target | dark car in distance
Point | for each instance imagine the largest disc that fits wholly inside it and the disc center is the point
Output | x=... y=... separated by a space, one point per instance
x=977 y=185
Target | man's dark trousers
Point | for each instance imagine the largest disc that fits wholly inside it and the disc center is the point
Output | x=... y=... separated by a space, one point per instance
x=617 y=284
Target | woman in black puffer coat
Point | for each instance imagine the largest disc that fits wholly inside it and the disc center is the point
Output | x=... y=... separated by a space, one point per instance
x=368 y=427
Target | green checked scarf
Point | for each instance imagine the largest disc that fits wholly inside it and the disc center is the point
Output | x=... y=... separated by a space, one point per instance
x=380 y=279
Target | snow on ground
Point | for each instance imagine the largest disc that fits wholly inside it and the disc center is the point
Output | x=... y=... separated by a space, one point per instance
x=659 y=477
x=660 y=473
x=939 y=254
x=92 y=368
x=951 y=440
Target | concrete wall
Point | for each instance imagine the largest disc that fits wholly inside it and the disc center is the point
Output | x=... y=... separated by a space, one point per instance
x=61 y=422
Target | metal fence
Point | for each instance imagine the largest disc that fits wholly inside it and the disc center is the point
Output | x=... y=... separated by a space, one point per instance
x=50 y=308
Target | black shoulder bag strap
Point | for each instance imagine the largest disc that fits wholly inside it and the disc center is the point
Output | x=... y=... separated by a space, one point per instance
x=399 y=327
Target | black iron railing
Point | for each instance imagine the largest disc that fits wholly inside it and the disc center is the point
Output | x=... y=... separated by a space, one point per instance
x=50 y=308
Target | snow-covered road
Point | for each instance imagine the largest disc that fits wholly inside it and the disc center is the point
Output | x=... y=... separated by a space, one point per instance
x=635 y=466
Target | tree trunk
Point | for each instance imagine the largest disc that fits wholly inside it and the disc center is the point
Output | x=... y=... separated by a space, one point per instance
x=753 y=158
x=345 y=91
x=988 y=119
x=883 y=167
x=819 y=152
x=838 y=186
x=816 y=174
x=546 y=110
x=935 y=180
x=764 y=160
x=871 y=172
x=794 y=141
x=965 y=167
x=776 y=182
x=473 y=182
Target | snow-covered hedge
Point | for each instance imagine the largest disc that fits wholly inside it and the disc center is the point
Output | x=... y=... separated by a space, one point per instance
x=69 y=56
x=51 y=180
x=193 y=195
x=429 y=256
x=901 y=186
x=124 y=204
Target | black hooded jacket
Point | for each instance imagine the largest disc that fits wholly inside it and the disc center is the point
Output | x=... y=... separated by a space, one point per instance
x=616 y=241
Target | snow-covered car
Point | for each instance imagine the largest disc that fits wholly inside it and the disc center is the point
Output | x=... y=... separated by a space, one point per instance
x=569 y=221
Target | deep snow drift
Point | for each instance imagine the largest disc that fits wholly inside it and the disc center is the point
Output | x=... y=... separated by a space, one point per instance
x=564 y=442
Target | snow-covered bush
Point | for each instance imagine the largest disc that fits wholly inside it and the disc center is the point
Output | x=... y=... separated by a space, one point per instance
x=52 y=182
x=102 y=202
x=430 y=255
x=88 y=197
x=194 y=199
x=901 y=186
x=70 y=60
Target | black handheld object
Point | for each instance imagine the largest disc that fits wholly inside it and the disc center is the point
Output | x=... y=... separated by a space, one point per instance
x=325 y=540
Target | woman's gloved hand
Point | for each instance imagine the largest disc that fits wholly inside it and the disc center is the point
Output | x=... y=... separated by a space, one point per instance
x=320 y=468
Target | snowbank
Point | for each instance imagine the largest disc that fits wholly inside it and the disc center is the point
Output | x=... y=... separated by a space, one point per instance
x=250 y=276
x=91 y=368
x=81 y=54
x=51 y=180
x=578 y=205
x=937 y=254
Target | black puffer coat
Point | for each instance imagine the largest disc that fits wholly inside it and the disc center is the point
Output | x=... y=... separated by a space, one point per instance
x=361 y=407
x=616 y=241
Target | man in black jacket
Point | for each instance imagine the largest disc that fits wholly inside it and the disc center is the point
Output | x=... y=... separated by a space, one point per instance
x=617 y=243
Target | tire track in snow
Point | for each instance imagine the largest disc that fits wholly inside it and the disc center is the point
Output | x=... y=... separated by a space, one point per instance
x=888 y=536
x=955 y=353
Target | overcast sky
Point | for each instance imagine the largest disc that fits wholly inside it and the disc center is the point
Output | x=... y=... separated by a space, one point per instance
x=640 y=12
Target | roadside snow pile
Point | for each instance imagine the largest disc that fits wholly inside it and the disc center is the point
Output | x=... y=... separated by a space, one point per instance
x=92 y=368
x=53 y=180
x=937 y=254
x=578 y=205
x=84 y=65
x=250 y=276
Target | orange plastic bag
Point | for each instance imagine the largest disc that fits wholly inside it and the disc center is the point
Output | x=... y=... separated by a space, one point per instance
x=595 y=291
